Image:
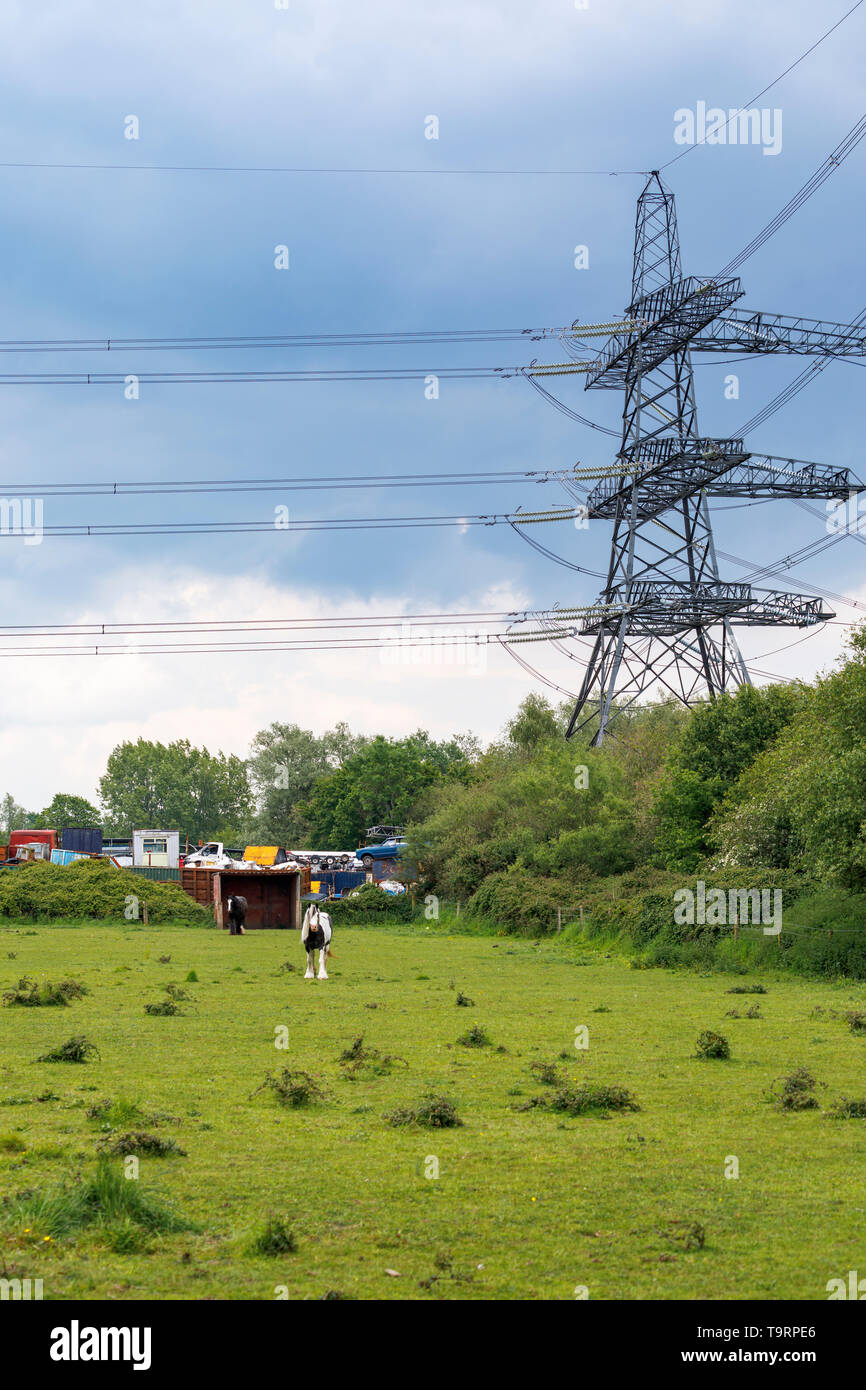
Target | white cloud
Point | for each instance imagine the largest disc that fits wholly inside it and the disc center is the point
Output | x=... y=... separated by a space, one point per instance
x=60 y=717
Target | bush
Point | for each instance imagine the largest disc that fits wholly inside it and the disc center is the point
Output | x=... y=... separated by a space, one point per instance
x=431 y=1112
x=140 y=1143
x=795 y=1091
x=368 y=905
x=292 y=1088
x=525 y=903
x=712 y=1044
x=476 y=1036
x=92 y=888
x=846 y=1109
x=77 y=1049
x=583 y=1098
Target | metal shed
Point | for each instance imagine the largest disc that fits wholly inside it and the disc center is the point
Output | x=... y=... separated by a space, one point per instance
x=273 y=896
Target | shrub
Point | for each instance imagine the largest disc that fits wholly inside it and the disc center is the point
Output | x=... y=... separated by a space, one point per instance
x=163 y=1009
x=712 y=1044
x=546 y=1073
x=431 y=1112
x=292 y=1088
x=92 y=888
x=141 y=1143
x=476 y=1036
x=368 y=905
x=795 y=1091
x=524 y=902
x=583 y=1098
x=77 y=1049
x=846 y=1109
x=357 y=1060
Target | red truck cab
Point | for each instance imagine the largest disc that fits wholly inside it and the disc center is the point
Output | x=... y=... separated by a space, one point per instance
x=32 y=837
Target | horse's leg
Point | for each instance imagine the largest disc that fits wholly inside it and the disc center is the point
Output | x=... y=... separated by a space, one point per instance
x=309 y=975
x=323 y=954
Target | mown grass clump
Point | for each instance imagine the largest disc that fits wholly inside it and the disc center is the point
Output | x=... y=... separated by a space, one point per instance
x=795 y=1091
x=856 y=1020
x=31 y=994
x=115 y=1113
x=293 y=1088
x=712 y=1044
x=76 y=1049
x=139 y=1142
x=687 y=1235
x=106 y=1199
x=274 y=1238
x=163 y=1009
x=431 y=1112
x=747 y=989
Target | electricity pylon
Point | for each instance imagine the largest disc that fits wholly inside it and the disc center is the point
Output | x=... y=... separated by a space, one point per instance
x=668 y=617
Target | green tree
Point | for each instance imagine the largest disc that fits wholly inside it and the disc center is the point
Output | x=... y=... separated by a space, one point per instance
x=534 y=723
x=381 y=783
x=285 y=763
x=719 y=740
x=65 y=810
x=167 y=786
x=12 y=816
x=802 y=803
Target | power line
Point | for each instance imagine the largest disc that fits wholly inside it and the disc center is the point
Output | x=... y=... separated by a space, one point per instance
x=219 y=486
x=289 y=340
x=229 y=377
x=769 y=85
x=186 y=528
x=811 y=186
x=307 y=169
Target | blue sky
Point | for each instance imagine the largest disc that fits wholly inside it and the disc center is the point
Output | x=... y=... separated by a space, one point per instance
x=95 y=253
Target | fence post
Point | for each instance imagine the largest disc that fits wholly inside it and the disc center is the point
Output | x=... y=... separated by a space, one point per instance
x=580 y=910
x=144 y=913
x=559 y=919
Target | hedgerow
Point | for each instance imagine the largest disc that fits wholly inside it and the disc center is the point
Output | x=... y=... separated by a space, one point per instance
x=93 y=888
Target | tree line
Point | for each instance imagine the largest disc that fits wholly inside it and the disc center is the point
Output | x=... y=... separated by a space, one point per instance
x=771 y=778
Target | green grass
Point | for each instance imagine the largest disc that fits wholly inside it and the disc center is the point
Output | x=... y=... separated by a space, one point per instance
x=528 y=1203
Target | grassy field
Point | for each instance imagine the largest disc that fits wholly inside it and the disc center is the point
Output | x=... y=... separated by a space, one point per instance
x=527 y=1204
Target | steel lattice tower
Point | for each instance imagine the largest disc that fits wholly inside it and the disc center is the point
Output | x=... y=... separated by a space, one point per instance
x=674 y=618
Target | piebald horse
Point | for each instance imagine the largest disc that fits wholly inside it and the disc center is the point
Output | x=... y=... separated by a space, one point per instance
x=316 y=935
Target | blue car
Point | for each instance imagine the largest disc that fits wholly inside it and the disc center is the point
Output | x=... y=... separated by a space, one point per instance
x=388 y=849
